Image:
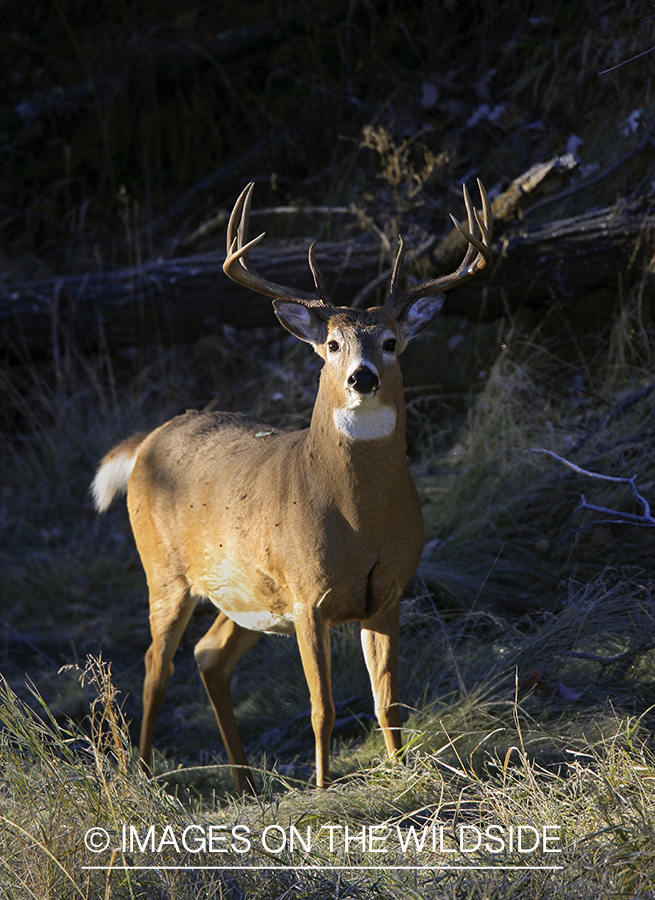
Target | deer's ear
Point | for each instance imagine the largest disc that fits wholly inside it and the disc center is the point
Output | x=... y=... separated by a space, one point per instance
x=419 y=315
x=301 y=321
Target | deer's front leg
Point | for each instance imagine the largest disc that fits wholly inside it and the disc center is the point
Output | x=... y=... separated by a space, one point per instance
x=313 y=634
x=380 y=645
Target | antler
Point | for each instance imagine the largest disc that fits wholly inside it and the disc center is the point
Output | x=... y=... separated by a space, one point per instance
x=237 y=262
x=478 y=256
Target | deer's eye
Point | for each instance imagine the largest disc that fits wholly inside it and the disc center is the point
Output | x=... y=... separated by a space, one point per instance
x=333 y=346
x=390 y=345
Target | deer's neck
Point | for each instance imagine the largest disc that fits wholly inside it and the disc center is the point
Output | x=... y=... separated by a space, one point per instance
x=357 y=457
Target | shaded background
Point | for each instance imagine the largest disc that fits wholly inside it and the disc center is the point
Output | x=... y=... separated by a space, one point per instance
x=149 y=117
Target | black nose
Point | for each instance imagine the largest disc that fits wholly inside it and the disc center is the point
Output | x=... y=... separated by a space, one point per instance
x=363 y=380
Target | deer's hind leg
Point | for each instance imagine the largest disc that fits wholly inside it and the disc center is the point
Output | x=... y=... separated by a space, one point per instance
x=171 y=606
x=217 y=653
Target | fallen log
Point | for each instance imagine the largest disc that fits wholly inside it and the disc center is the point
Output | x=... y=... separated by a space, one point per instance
x=562 y=263
x=169 y=301
x=181 y=300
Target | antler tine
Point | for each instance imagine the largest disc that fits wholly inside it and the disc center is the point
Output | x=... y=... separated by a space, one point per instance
x=319 y=281
x=237 y=262
x=474 y=244
x=471 y=223
x=244 y=218
x=235 y=216
x=486 y=223
x=237 y=226
x=396 y=275
x=483 y=222
x=237 y=230
x=478 y=255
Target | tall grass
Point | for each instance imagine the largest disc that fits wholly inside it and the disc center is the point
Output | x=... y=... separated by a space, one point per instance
x=498 y=510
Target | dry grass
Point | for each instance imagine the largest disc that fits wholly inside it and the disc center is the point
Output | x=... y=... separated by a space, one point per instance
x=470 y=767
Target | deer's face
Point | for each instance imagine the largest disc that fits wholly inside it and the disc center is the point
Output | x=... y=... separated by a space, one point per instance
x=361 y=375
x=360 y=349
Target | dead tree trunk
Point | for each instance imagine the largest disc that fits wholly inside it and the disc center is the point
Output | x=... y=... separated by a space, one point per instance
x=181 y=300
x=561 y=262
x=172 y=301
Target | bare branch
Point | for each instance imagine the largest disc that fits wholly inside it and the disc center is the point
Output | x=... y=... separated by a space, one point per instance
x=618 y=517
x=626 y=61
x=630 y=518
x=627 y=655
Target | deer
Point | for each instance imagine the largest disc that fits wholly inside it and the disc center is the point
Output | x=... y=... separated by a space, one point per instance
x=289 y=532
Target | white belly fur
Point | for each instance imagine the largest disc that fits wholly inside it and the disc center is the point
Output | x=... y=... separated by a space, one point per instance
x=263 y=621
x=229 y=590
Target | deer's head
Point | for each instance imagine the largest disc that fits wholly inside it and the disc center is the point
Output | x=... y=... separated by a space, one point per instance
x=360 y=346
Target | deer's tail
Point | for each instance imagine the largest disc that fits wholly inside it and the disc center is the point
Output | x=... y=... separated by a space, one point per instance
x=114 y=471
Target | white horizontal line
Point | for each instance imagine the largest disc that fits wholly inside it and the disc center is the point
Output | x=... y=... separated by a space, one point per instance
x=327 y=868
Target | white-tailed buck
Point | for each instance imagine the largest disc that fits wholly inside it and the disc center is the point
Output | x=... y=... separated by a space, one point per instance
x=288 y=532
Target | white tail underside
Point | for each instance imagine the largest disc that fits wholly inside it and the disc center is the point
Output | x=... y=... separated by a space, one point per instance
x=112 y=478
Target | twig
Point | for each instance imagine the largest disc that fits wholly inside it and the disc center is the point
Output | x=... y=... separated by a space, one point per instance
x=626 y=61
x=610 y=660
x=630 y=518
x=645 y=518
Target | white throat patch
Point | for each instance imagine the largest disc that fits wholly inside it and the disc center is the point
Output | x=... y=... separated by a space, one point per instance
x=362 y=424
